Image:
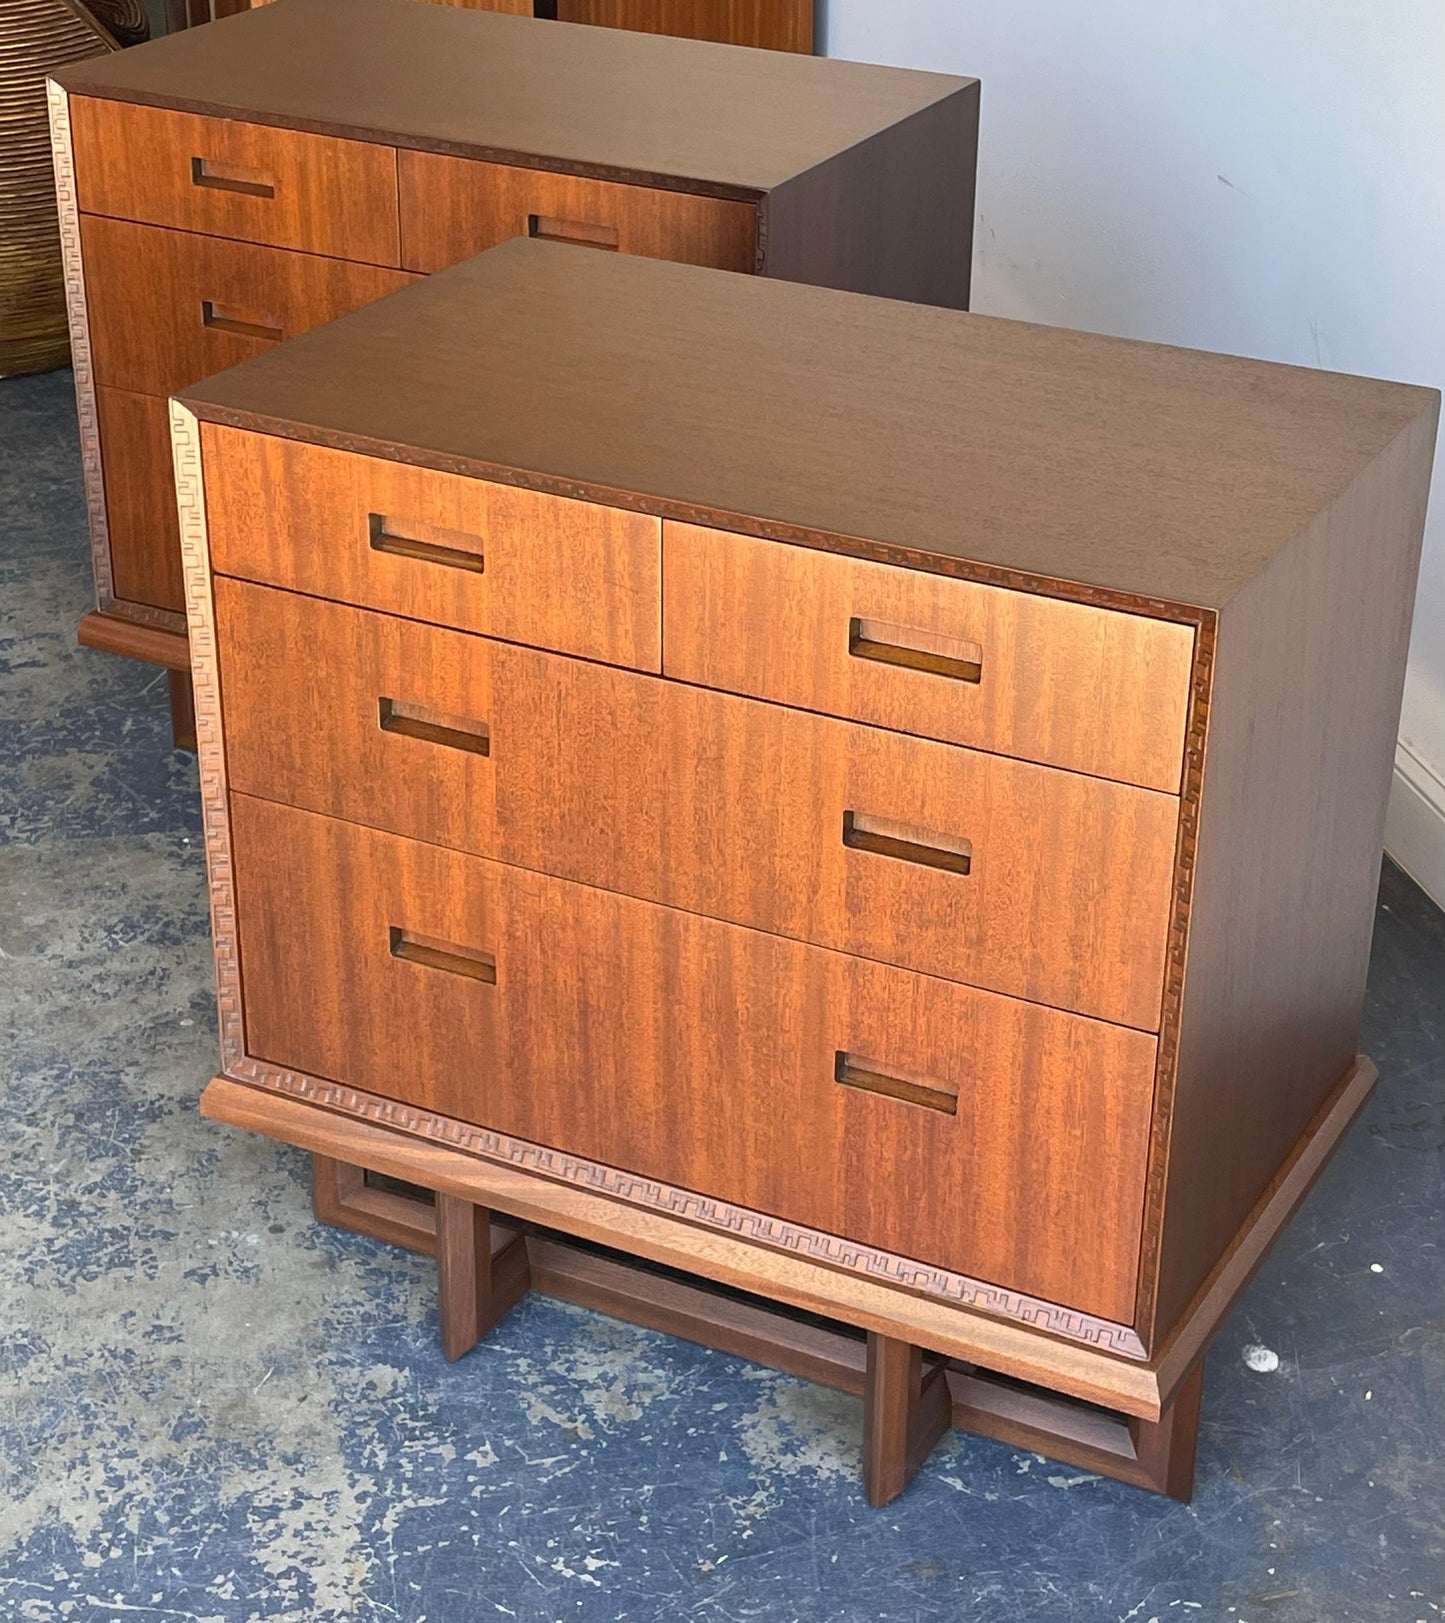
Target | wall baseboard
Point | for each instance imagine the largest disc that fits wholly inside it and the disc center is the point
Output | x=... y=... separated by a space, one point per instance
x=1415 y=825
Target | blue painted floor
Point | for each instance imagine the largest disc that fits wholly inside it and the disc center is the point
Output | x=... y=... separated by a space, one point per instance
x=211 y=1409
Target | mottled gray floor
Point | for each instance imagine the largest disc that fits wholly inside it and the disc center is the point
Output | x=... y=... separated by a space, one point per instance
x=212 y=1409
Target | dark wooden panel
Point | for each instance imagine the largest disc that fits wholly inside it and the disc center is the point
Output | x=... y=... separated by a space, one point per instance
x=558 y=573
x=892 y=216
x=602 y=1035
x=452 y=208
x=140 y=498
x=1073 y=686
x=610 y=102
x=777 y=25
x=168 y=307
x=717 y=804
x=231 y=178
x=1309 y=666
x=957 y=441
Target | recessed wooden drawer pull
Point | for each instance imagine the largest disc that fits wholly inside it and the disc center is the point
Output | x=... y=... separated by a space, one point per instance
x=443 y=955
x=906 y=843
x=581 y=233
x=927 y=651
x=853 y=1071
x=212 y=315
x=429 y=543
x=434 y=726
x=231 y=177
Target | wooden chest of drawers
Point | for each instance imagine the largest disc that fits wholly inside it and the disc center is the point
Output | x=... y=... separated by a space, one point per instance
x=231 y=187
x=871 y=805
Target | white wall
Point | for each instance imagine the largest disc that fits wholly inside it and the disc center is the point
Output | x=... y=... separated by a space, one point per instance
x=1264 y=177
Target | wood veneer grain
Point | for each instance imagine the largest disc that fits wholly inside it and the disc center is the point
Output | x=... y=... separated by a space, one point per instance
x=452 y=208
x=564 y=574
x=718 y=119
x=892 y=215
x=1073 y=686
x=1308 y=673
x=169 y=307
x=605 y=1034
x=703 y=801
x=231 y=178
x=1079 y=465
x=778 y=25
x=145 y=543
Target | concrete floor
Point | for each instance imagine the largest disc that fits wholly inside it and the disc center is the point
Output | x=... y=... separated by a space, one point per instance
x=211 y=1409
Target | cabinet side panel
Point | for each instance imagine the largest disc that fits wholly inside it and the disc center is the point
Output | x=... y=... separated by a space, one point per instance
x=892 y=216
x=1309 y=669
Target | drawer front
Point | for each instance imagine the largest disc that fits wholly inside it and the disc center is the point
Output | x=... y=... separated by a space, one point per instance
x=969 y=1131
x=1036 y=883
x=229 y=179
x=1072 y=686
x=452 y=208
x=140 y=499
x=460 y=552
x=778 y=25
x=168 y=308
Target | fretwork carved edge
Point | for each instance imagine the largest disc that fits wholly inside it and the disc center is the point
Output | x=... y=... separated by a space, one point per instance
x=73 y=269
x=684 y=1205
x=210 y=745
x=1167 y=1060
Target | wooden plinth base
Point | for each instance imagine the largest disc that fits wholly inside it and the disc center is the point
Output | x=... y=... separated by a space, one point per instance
x=183 y=711
x=909 y=1401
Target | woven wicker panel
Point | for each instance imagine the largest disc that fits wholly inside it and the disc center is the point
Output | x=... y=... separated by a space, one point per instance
x=36 y=38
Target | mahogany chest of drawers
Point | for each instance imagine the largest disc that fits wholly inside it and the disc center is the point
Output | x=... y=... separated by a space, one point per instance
x=232 y=186
x=872 y=805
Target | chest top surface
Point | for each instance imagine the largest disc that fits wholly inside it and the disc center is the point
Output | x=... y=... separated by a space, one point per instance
x=950 y=440
x=604 y=101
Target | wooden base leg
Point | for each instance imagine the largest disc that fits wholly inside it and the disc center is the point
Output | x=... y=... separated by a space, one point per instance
x=1165 y=1448
x=343 y=1197
x=905 y=1412
x=478 y=1287
x=183 y=711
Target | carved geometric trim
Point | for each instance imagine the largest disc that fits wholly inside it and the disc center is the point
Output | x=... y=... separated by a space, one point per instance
x=63 y=154
x=146 y=614
x=556 y=1166
x=702 y=1211
x=1167 y=1060
x=210 y=745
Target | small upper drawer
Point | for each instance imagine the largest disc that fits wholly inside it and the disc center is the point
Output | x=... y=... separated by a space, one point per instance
x=433 y=546
x=168 y=308
x=231 y=179
x=1088 y=689
x=452 y=208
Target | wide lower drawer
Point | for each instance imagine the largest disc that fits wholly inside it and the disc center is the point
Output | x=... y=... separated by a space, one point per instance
x=140 y=499
x=228 y=178
x=460 y=552
x=1084 y=688
x=1037 y=883
x=978 y=1134
x=452 y=208
x=168 y=308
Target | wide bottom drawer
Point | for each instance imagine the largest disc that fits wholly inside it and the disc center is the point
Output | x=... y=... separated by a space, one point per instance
x=989 y=1136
